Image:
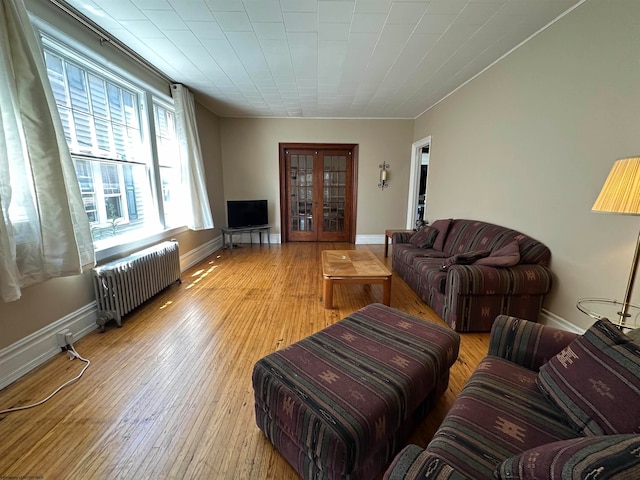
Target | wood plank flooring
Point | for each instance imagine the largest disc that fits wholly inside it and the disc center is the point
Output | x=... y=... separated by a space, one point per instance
x=169 y=396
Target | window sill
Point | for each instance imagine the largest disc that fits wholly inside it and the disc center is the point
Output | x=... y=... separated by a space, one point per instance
x=139 y=243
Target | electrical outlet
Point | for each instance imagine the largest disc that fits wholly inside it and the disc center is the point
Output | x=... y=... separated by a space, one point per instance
x=69 y=338
x=61 y=336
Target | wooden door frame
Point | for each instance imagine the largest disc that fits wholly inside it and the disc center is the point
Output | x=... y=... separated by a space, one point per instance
x=284 y=213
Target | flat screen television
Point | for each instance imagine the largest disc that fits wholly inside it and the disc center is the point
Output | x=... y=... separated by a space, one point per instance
x=247 y=213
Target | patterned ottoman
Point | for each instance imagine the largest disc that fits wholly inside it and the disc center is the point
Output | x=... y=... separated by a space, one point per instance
x=340 y=403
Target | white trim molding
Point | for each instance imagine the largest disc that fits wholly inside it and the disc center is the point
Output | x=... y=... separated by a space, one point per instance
x=198 y=254
x=555 y=321
x=369 y=239
x=414 y=179
x=26 y=354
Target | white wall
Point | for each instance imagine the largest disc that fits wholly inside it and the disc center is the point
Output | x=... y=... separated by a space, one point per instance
x=529 y=143
x=250 y=163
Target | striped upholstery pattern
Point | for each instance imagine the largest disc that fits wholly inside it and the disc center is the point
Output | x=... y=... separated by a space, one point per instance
x=510 y=415
x=606 y=457
x=501 y=416
x=527 y=344
x=593 y=377
x=469 y=235
x=469 y=297
x=337 y=403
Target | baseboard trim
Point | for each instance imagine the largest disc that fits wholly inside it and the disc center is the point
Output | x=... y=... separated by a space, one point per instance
x=198 y=254
x=369 y=239
x=555 y=321
x=33 y=350
x=26 y=354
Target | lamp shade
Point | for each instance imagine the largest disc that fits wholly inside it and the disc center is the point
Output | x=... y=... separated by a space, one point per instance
x=621 y=190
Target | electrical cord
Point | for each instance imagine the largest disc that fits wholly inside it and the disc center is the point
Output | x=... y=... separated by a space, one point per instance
x=72 y=354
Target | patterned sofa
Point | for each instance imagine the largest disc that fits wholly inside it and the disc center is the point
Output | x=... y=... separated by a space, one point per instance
x=521 y=416
x=469 y=271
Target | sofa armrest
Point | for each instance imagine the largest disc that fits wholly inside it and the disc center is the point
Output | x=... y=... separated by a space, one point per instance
x=486 y=280
x=402 y=462
x=606 y=457
x=401 y=237
x=416 y=463
x=526 y=343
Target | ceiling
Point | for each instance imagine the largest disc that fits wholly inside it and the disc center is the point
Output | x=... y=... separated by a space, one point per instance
x=322 y=58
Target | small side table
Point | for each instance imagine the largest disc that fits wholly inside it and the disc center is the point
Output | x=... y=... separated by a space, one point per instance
x=388 y=235
x=231 y=231
x=610 y=309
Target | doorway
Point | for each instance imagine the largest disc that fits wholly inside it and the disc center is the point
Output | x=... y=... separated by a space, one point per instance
x=318 y=191
x=417 y=201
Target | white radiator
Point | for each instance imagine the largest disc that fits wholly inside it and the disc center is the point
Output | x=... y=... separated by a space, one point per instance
x=122 y=285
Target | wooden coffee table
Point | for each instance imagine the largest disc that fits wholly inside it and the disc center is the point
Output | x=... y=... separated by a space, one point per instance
x=353 y=267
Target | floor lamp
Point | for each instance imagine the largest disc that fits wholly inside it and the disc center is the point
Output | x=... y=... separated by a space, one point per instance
x=621 y=194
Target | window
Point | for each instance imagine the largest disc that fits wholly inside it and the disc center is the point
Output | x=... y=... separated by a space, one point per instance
x=106 y=126
x=169 y=162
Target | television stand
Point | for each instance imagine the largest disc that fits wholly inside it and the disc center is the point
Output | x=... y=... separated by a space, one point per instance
x=260 y=229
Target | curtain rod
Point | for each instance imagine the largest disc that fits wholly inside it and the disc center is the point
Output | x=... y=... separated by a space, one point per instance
x=105 y=37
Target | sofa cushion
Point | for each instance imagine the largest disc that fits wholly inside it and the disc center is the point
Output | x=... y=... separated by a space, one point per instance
x=499 y=413
x=507 y=256
x=443 y=228
x=603 y=457
x=424 y=238
x=593 y=377
x=464 y=258
x=428 y=270
x=468 y=235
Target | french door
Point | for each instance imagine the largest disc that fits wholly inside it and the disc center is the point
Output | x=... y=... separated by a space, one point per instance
x=318 y=187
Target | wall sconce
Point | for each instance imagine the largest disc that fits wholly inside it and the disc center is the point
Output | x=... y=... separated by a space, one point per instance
x=383 y=175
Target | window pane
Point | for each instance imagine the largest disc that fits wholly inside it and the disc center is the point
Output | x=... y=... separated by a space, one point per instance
x=170 y=197
x=168 y=150
x=110 y=179
x=169 y=160
x=101 y=117
x=77 y=88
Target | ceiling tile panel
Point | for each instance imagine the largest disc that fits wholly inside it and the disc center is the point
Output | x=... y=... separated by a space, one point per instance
x=206 y=30
x=333 y=31
x=478 y=13
x=368 y=22
x=299 y=5
x=373 y=6
x=300 y=22
x=225 y=5
x=406 y=13
x=333 y=11
x=142 y=28
x=327 y=58
x=446 y=7
x=263 y=10
x=269 y=31
x=192 y=9
x=122 y=10
x=435 y=24
x=165 y=20
x=152 y=4
x=248 y=50
x=395 y=34
x=183 y=39
x=233 y=21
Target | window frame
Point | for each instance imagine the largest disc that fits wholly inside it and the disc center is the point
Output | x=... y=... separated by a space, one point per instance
x=91 y=60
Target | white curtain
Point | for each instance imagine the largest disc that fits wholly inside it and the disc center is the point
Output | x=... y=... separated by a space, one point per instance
x=195 y=191
x=44 y=230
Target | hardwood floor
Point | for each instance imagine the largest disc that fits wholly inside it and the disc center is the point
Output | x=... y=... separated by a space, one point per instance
x=169 y=394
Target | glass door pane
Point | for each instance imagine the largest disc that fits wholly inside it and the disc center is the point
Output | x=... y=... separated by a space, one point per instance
x=301 y=189
x=334 y=193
